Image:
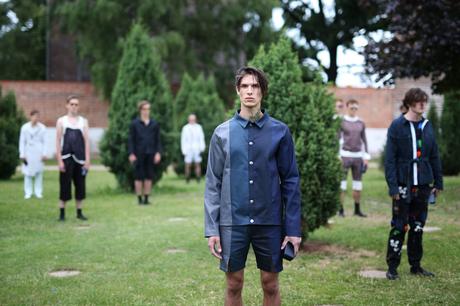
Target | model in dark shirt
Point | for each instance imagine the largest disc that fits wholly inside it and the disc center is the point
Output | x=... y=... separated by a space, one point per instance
x=144 y=148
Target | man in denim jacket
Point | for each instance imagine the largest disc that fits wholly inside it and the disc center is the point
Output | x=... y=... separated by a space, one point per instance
x=411 y=164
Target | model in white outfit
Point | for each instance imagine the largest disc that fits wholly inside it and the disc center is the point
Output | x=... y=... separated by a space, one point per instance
x=192 y=145
x=32 y=151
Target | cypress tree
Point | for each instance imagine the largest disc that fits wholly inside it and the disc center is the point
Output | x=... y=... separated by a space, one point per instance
x=139 y=78
x=450 y=145
x=11 y=120
x=307 y=108
x=199 y=97
x=434 y=119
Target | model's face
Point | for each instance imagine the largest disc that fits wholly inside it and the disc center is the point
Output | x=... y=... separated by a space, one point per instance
x=192 y=119
x=145 y=111
x=35 y=118
x=72 y=106
x=352 y=109
x=249 y=92
x=419 y=107
x=339 y=107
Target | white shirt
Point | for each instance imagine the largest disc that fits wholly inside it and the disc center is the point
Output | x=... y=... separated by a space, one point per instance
x=192 y=139
x=32 y=147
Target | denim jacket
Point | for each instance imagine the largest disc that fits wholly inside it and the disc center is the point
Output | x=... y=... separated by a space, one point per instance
x=402 y=167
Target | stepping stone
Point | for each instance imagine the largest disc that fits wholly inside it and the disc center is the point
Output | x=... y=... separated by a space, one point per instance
x=178 y=219
x=372 y=274
x=64 y=273
x=430 y=229
x=175 y=251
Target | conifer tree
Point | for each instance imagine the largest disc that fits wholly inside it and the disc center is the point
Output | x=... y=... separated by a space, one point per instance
x=139 y=78
x=434 y=119
x=450 y=146
x=11 y=119
x=201 y=98
x=307 y=109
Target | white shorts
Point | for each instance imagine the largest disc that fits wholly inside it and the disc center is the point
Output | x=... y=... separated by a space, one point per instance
x=192 y=157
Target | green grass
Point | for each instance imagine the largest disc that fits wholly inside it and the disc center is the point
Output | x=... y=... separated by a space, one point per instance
x=123 y=256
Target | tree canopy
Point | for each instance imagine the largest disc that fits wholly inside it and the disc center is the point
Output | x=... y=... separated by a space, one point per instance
x=327 y=28
x=214 y=37
x=425 y=41
x=23 y=39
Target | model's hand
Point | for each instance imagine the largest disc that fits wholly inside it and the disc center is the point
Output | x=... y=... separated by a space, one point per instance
x=294 y=240
x=61 y=166
x=44 y=158
x=365 y=162
x=24 y=160
x=214 y=246
x=157 y=158
x=87 y=165
x=395 y=197
x=436 y=191
x=132 y=158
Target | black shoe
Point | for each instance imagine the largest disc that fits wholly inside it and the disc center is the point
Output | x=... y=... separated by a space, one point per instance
x=342 y=213
x=360 y=214
x=392 y=274
x=82 y=217
x=421 y=272
x=146 y=203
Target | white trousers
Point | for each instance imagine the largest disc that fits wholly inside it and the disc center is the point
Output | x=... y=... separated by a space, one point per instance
x=30 y=186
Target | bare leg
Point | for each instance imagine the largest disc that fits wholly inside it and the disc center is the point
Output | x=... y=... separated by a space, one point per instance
x=187 y=172
x=138 y=187
x=147 y=187
x=234 y=288
x=61 y=204
x=79 y=204
x=270 y=286
x=198 y=171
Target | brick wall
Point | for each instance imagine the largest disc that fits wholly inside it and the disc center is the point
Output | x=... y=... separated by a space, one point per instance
x=49 y=97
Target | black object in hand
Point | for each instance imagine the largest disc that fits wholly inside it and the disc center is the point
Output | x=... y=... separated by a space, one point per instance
x=25 y=162
x=289 y=252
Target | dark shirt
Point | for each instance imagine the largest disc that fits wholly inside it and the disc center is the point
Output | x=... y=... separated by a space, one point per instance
x=403 y=165
x=252 y=176
x=144 y=139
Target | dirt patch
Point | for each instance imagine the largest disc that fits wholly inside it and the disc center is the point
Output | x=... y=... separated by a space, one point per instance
x=372 y=274
x=334 y=249
x=175 y=251
x=430 y=229
x=64 y=273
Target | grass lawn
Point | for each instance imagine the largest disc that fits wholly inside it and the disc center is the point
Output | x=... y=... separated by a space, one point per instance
x=156 y=255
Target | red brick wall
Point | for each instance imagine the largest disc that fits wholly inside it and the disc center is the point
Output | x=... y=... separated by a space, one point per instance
x=376 y=106
x=49 y=97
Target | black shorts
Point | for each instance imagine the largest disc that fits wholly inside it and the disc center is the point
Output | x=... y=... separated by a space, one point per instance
x=143 y=167
x=266 y=242
x=73 y=172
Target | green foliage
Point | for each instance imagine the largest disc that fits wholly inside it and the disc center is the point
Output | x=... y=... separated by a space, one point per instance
x=140 y=77
x=23 y=39
x=434 y=119
x=450 y=144
x=200 y=97
x=308 y=111
x=11 y=119
x=210 y=36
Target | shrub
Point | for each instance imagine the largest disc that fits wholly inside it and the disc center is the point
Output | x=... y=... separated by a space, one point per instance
x=450 y=145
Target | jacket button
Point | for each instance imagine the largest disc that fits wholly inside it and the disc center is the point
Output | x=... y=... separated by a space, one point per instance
x=252 y=220
x=251 y=181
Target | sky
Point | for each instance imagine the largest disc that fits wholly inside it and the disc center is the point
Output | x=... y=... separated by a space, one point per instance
x=350 y=62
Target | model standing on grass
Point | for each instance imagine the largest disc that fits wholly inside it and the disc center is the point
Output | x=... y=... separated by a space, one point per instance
x=354 y=155
x=72 y=154
x=252 y=194
x=144 y=149
x=32 y=151
x=411 y=164
x=192 y=145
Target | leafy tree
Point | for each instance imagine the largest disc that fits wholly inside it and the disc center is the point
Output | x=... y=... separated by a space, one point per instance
x=450 y=146
x=208 y=36
x=434 y=119
x=11 y=119
x=140 y=77
x=307 y=108
x=328 y=28
x=23 y=39
x=425 y=41
x=200 y=97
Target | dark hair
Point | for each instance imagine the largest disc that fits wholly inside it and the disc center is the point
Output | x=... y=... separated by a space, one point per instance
x=352 y=101
x=413 y=96
x=34 y=112
x=258 y=73
x=141 y=104
x=71 y=97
